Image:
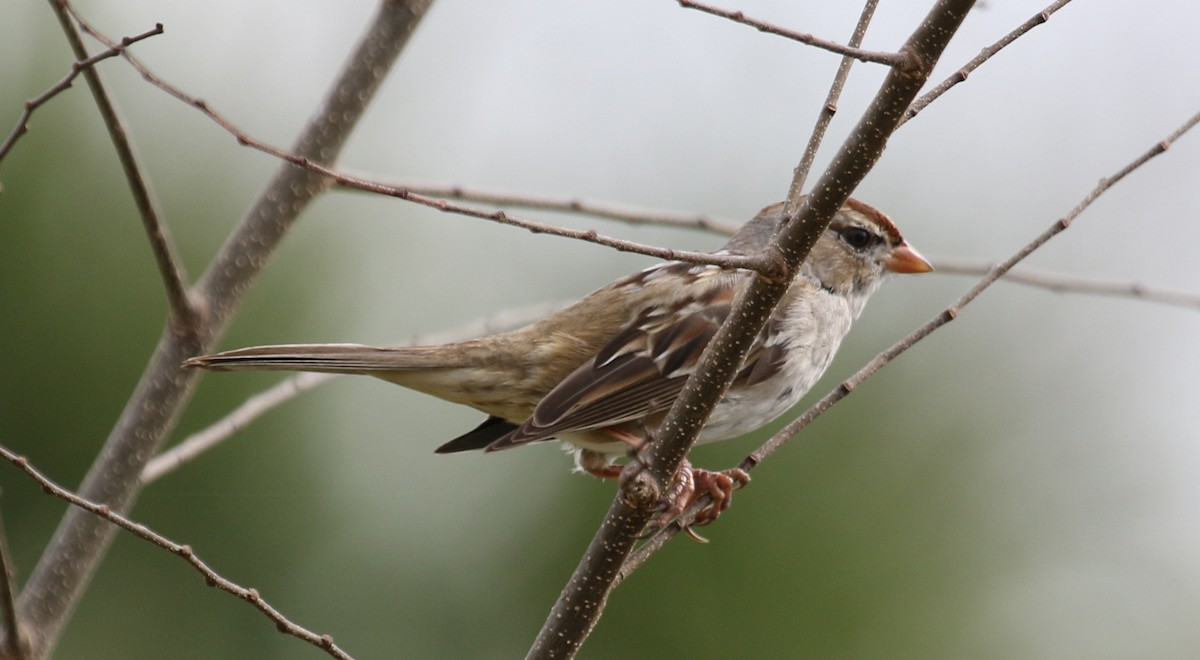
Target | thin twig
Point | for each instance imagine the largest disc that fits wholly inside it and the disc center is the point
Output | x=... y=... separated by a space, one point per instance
x=898 y=60
x=57 y=88
x=961 y=74
x=196 y=444
x=191 y=447
x=14 y=644
x=1060 y=283
x=183 y=315
x=211 y=577
x=829 y=109
x=756 y=263
x=606 y=210
x=653 y=544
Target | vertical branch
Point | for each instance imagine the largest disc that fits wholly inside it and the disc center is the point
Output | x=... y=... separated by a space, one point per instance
x=582 y=601
x=81 y=539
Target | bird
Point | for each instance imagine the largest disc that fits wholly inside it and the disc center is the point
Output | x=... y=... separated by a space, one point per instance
x=599 y=375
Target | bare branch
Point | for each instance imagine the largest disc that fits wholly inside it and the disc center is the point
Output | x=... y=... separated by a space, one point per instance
x=583 y=598
x=14 y=645
x=1060 y=283
x=944 y=266
x=259 y=404
x=256 y=406
x=81 y=539
x=829 y=109
x=211 y=577
x=652 y=545
x=607 y=210
x=757 y=263
x=983 y=56
x=183 y=315
x=59 y=87
x=749 y=262
x=889 y=59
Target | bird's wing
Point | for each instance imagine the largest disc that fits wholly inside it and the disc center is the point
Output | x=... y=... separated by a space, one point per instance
x=641 y=370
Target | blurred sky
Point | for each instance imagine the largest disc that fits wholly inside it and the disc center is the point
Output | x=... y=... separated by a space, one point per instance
x=1022 y=484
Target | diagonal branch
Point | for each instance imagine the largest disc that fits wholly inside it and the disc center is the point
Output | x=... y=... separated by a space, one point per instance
x=847 y=386
x=1060 y=283
x=606 y=210
x=170 y=268
x=77 y=68
x=185 y=552
x=582 y=600
x=81 y=539
x=829 y=109
x=757 y=263
x=951 y=312
x=984 y=55
x=749 y=262
x=898 y=59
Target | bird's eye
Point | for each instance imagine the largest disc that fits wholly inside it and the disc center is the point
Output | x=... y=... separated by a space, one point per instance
x=858 y=238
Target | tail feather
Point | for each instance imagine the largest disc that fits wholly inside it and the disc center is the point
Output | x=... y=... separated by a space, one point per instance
x=448 y=371
x=492 y=429
x=326 y=358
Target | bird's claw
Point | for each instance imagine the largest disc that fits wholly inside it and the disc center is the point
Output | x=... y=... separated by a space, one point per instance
x=688 y=486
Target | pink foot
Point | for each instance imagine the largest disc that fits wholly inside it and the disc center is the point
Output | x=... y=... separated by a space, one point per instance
x=692 y=483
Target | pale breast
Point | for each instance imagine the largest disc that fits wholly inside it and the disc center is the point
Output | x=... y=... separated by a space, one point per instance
x=812 y=334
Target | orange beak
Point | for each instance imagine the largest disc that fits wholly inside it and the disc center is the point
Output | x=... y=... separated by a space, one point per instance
x=904 y=259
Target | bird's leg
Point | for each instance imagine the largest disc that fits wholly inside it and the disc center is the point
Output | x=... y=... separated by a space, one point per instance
x=601 y=465
x=598 y=465
x=720 y=486
x=686 y=486
x=690 y=484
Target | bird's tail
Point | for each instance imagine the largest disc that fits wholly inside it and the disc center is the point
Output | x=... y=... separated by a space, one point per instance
x=325 y=358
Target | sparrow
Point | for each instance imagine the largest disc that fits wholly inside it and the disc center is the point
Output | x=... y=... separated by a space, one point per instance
x=601 y=374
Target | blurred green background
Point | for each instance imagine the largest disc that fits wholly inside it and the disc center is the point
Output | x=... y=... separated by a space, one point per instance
x=1023 y=484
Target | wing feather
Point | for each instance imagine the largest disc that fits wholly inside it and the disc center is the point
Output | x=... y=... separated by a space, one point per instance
x=641 y=370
